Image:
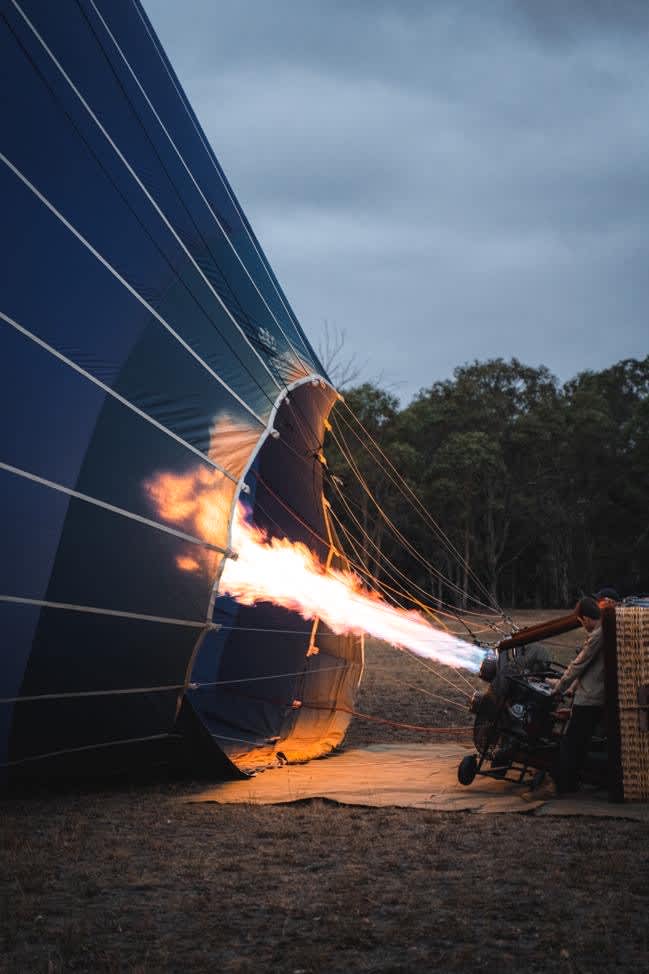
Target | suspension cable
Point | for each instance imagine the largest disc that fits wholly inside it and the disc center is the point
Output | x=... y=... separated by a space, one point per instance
x=415 y=502
x=388 y=521
x=385 y=560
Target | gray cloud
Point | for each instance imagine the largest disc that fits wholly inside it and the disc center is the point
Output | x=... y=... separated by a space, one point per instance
x=444 y=181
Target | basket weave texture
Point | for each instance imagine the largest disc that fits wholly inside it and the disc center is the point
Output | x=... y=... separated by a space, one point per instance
x=632 y=634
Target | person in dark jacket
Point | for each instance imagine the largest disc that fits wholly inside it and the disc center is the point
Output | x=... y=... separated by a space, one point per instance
x=585 y=679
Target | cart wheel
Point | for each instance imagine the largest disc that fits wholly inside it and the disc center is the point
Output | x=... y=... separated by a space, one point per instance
x=467 y=769
x=537 y=780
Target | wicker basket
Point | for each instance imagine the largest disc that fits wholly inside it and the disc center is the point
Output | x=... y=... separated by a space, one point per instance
x=632 y=641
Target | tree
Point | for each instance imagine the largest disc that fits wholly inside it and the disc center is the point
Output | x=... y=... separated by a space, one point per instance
x=342 y=368
x=538 y=490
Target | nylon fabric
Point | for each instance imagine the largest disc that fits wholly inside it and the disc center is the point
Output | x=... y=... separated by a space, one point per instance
x=204 y=167
x=167 y=347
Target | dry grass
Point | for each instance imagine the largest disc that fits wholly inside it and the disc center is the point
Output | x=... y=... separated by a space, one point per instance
x=131 y=879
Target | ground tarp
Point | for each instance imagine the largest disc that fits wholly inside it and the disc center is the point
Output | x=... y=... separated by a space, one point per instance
x=408 y=776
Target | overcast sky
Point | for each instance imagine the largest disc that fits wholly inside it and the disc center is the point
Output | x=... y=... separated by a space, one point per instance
x=443 y=181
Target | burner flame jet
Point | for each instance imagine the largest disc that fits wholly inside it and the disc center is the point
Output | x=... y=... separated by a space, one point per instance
x=290 y=575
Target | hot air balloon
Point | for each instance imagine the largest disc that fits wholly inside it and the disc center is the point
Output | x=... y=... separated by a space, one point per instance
x=153 y=375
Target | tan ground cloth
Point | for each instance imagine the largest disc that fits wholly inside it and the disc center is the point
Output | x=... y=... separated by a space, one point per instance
x=409 y=776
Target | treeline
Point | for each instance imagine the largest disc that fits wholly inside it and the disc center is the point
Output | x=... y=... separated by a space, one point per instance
x=541 y=488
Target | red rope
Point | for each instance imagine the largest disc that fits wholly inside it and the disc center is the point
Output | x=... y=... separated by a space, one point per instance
x=392 y=723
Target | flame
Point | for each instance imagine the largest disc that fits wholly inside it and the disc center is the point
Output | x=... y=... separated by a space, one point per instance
x=282 y=572
x=288 y=574
x=187 y=564
x=199 y=501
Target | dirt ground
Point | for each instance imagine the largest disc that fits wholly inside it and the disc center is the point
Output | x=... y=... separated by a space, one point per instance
x=128 y=878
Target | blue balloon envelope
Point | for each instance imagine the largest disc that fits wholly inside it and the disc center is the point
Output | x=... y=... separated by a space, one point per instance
x=152 y=374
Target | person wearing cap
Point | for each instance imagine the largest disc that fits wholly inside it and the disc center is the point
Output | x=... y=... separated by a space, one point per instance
x=606 y=596
x=585 y=678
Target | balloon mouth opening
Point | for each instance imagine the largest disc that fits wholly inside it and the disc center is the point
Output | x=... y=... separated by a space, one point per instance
x=265 y=660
